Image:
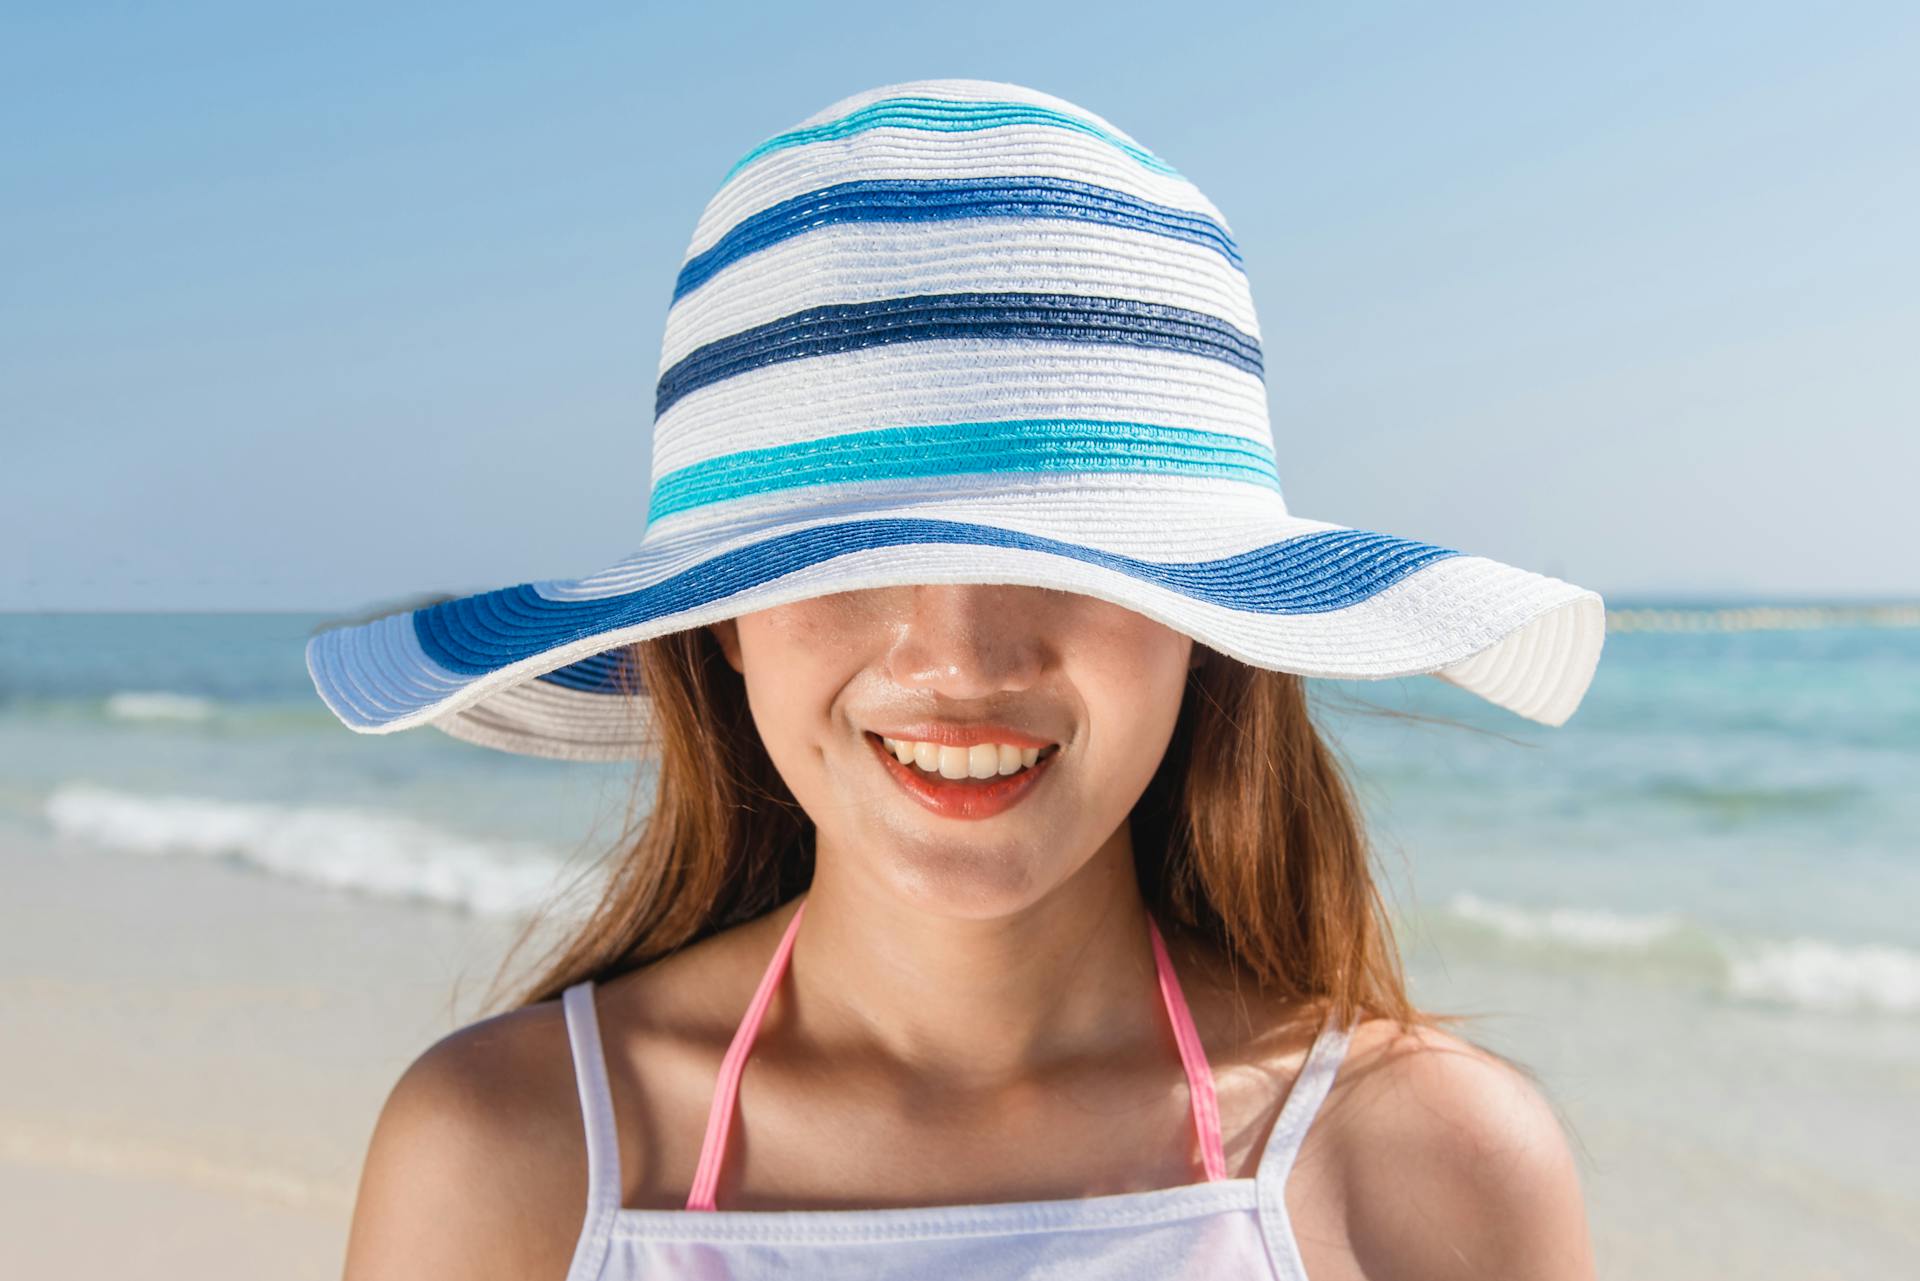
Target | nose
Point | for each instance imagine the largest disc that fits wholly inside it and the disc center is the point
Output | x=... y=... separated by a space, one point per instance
x=969 y=641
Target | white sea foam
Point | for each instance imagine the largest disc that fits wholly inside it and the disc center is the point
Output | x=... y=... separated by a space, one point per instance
x=1814 y=974
x=157 y=705
x=381 y=854
x=1806 y=973
x=1587 y=929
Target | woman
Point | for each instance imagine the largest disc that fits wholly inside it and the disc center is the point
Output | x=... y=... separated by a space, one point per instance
x=1000 y=911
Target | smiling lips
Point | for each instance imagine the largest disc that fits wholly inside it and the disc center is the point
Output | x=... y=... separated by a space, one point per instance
x=962 y=797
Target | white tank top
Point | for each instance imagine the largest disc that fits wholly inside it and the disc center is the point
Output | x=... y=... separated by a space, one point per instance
x=1223 y=1227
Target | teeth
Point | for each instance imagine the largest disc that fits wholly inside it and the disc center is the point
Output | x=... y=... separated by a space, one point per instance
x=982 y=760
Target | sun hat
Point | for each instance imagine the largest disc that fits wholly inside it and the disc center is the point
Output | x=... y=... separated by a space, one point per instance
x=961 y=331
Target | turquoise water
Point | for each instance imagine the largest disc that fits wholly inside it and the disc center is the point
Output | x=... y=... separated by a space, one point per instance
x=1729 y=814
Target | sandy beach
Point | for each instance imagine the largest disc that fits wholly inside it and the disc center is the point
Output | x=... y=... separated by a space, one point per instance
x=197 y=1053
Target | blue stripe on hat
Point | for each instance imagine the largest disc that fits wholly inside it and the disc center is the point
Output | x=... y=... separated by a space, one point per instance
x=598 y=674
x=1309 y=574
x=944 y=115
x=931 y=199
x=1049 y=317
x=951 y=449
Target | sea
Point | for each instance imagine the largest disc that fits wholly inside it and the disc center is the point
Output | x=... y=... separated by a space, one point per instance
x=1691 y=913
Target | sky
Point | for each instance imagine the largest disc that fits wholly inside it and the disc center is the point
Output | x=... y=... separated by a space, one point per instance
x=335 y=306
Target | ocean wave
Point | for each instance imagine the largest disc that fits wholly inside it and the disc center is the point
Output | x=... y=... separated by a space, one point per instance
x=157 y=705
x=1815 y=974
x=1577 y=927
x=137 y=713
x=1803 y=973
x=385 y=855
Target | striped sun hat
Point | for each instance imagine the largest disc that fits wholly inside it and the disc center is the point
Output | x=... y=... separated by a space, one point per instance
x=960 y=331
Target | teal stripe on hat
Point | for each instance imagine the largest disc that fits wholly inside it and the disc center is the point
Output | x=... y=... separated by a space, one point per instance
x=951 y=449
x=942 y=115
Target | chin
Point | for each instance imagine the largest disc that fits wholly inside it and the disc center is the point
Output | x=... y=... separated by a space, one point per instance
x=968 y=885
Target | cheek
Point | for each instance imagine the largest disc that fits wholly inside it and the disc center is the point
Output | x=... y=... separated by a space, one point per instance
x=1133 y=702
x=794 y=672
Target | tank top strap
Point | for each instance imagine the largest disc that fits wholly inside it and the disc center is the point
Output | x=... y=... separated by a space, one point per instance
x=596 y=1111
x=1304 y=1097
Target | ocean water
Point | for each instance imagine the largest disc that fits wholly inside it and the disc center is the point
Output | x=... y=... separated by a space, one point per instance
x=1730 y=814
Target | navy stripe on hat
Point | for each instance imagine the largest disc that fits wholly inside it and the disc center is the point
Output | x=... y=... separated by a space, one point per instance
x=1047 y=317
x=933 y=199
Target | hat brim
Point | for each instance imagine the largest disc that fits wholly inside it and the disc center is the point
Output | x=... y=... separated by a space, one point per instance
x=527 y=669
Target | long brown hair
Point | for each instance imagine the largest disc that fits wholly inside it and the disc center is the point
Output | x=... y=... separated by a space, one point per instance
x=1249 y=832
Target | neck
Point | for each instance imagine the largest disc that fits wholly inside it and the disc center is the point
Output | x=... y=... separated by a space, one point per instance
x=979 y=1003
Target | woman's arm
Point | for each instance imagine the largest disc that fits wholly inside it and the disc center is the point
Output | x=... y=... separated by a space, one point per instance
x=476 y=1168
x=1454 y=1166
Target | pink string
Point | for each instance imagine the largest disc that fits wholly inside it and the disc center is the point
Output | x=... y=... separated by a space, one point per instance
x=1206 y=1105
x=706 y=1179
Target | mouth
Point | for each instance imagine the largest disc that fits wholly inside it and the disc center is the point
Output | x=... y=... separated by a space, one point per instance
x=964 y=798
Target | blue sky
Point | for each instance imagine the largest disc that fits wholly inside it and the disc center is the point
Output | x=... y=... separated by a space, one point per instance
x=328 y=306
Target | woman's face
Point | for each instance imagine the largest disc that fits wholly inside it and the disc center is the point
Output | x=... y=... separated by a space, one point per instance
x=825 y=676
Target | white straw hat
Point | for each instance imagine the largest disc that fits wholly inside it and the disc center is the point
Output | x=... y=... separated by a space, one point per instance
x=960 y=331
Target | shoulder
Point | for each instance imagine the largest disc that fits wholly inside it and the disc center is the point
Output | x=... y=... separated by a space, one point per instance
x=1451 y=1162
x=477 y=1165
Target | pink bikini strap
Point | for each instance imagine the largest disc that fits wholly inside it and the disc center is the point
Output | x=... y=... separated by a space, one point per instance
x=1206 y=1106
x=706 y=1179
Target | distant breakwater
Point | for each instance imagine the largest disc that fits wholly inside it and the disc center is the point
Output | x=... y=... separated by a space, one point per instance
x=1746 y=618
